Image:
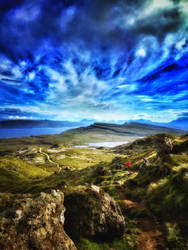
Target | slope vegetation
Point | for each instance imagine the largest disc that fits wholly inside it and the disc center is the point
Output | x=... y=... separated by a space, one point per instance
x=152 y=192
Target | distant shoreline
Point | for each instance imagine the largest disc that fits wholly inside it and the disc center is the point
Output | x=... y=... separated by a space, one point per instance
x=23 y=132
x=94 y=145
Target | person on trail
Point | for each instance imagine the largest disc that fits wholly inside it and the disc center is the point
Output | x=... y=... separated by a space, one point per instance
x=117 y=166
x=128 y=164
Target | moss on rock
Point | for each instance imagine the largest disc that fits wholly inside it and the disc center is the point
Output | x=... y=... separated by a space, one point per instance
x=92 y=213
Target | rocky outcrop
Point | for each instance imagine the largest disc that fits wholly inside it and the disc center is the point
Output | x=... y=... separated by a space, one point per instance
x=34 y=223
x=92 y=213
x=164 y=147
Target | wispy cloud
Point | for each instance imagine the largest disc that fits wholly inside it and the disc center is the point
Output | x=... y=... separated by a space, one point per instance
x=74 y=59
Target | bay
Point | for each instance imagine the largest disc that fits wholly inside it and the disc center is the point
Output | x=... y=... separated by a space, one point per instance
x=21 y=132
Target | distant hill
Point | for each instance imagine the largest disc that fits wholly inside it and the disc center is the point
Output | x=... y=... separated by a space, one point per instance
x=180 y=123
x=134 y=128
x=99 y=132
x=38 y=124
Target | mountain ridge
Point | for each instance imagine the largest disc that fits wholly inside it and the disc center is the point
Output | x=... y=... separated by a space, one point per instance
x=180 y=123
x=37 y=123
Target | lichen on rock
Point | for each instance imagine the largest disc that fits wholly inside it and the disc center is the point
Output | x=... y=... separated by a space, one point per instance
x=35 y=223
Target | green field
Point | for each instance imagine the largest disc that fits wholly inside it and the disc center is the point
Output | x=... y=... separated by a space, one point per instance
x=158 y=190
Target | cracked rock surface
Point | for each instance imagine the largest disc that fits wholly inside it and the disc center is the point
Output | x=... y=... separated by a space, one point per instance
x=34 y=223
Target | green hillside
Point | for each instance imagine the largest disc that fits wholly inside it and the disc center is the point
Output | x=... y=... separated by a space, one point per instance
x=98 y=132
x=152 y=193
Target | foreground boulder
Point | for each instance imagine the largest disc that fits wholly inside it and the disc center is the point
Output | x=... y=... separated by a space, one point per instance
x=34 y=223
x=92 y=213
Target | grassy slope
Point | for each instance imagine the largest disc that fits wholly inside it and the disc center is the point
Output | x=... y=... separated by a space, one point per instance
x=166 y=195
x=112 y=132
x=17 y=175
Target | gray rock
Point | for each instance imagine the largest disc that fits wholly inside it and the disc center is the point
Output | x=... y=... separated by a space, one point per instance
x=35 y=223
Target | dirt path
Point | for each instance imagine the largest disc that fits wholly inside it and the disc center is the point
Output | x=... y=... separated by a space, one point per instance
x=48 y=158
x=152 y=234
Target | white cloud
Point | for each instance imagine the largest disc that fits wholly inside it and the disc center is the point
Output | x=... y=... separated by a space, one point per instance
x=155 y=5
x=181 y=43
x=131 y=20
x=31 y=75
x=5 y=64
x=19 y=117
x=57 y=80
x=123 y=86
x=184 y=6
x=141 y=52
x=147 y=99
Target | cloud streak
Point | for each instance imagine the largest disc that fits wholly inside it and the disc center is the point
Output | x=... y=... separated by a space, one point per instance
x=74 y=59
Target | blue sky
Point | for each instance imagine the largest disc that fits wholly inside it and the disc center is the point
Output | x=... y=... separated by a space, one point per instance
x=107 y=60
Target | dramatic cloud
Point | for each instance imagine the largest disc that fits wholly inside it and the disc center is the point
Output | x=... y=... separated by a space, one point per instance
x=75 y=59
x=8 y=113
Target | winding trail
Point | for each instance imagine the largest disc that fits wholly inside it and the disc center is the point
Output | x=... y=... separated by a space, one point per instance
x=151 y=236
x=152 y=232
x=48 y=158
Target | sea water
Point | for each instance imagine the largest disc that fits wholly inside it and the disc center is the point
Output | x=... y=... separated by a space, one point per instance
x=109 y=144
x=21 y=132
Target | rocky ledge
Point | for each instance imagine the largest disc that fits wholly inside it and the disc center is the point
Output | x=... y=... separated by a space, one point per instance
x=35 y=223
x=92 y=213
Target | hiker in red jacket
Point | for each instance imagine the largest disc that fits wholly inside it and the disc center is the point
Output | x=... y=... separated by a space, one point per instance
x=128 y=164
